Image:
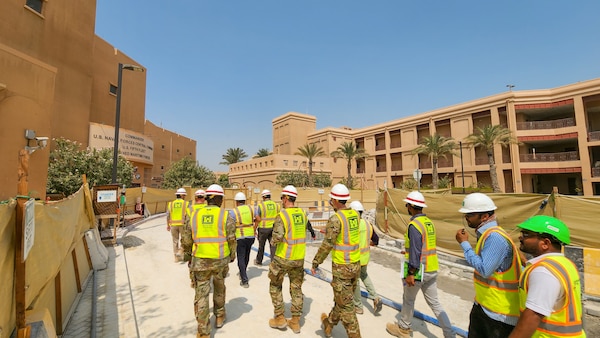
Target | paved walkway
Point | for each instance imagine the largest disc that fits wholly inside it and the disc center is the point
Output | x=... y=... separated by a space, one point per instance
x=142 y=293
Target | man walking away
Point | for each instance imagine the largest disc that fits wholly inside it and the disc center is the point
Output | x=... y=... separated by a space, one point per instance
x=368 y=238
x=244 y=233
x=264 y=218
x=289 y=235
x=176 y=210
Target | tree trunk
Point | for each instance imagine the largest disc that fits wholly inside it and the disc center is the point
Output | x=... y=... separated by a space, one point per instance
x=310 y=178
x=493 y=173
x=349 y=180
x=434 y=179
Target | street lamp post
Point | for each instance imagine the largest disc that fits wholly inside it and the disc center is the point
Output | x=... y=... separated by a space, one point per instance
x=118 y=115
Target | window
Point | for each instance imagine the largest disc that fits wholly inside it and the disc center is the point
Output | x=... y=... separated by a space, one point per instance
x=36 y=5
x=295 y=163
x=162 y=167
x=113 y=89
x=163 y=147
x=285 y=162
x=177 y=150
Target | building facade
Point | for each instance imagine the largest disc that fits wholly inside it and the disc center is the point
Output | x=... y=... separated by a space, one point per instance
x=58 y=79
x=558 y=131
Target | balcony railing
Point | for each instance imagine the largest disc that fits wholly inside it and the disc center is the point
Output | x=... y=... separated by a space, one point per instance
x=595 y=172
x=550 y=157
x=480 y=160
x=380 y=147
x=562 y=123
x=360 y=170
x=395 y=144
x=380 y=169
x=594 y=136
x=396 y=167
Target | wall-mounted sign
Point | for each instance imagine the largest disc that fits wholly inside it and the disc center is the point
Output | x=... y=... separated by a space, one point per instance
x=133 y=146
x=106 y=196
x=29 y=233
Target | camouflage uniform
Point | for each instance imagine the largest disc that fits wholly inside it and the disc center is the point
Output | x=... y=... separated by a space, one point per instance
x=345 y=279
x=201 y=271
x=278 y=268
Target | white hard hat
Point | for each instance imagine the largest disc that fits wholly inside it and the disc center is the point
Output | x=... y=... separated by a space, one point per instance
x=416 y=198
x=477 y=202
x=181 y=191
x=240 y=196
x=265 y=192
x=356 y=205
x=290 y=190
x=215 y=189
x=200 y=192
x=339 y=192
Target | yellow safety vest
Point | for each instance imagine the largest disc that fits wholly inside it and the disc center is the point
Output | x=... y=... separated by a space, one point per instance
x=294 y=245
x=177 y=210
x=209 y=232
x=193 y=207
x=268 y=212
x=429 y=257
x=366 y=232
x=499 y=293
x=347 y=244
x=243 y=221
x=566 y=321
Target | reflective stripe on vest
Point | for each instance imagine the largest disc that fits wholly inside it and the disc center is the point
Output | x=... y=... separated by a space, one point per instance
x=429 y=257
x=176 y=210
x=499 y=293
x=268 y=212
x=294 y=245
x=565 y=322
x=243 y=221
x=209 y=232
x=347 y=245
x=366 y=232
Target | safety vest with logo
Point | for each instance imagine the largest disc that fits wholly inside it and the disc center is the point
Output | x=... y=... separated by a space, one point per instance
x=243 y=221
x=294 y=245
x=209 y=232
x=268 y=212
x=429 y=257
x=566 y=321
x=177 y=210
x=499 y=292
x=366 y=232
x=347 y=244
x=193 y=207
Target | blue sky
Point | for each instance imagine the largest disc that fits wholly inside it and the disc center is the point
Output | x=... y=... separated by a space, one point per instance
x=219 y=71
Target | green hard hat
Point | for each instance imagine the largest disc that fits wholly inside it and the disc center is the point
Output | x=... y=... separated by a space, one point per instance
x=543 y=224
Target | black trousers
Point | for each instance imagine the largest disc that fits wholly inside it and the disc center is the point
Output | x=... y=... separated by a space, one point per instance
x=244 y=246
x=264 y=234
x=482 y=326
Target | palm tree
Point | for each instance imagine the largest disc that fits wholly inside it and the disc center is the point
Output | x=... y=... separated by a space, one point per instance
x=349 y=151
x=487 y=137
x=262 y=152
x=233 y=155
x=435 y=146
x=310 y=151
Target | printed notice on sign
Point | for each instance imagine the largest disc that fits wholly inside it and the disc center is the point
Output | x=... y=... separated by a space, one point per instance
x=29 y=233
x=133 y=146
x=106 y=196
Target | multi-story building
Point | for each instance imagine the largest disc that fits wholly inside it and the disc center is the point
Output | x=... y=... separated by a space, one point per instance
x=59 y=79
x=558 y=131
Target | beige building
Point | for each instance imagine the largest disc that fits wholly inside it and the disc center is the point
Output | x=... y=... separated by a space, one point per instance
x=58 y=79
x=558 y=130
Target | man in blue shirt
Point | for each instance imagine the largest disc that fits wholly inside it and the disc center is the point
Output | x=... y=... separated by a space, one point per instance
x=497 y=267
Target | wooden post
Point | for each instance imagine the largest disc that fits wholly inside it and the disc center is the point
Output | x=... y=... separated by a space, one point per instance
x=23 y=330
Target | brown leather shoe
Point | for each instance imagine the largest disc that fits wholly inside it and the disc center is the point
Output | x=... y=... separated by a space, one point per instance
x=294 y=324
x=359 y=310
x=326 y=325
x=377 y=305
x=220 y=321
x=278 y=322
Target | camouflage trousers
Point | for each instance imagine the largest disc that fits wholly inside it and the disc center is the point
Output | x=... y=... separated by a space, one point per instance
x=278 y=268
x=345 y=278
x=204 y=269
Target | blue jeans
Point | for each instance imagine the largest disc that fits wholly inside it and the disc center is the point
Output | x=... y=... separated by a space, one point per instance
x=244 y=246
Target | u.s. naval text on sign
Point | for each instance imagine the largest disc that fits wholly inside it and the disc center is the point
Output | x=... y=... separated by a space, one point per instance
x=29 y=233
x=133 y=146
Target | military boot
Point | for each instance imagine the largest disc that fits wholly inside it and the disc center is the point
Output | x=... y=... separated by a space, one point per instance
x=200 y=335
x=326 y=325
x=219 y=321
x=278 y=322
x=294 y=324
